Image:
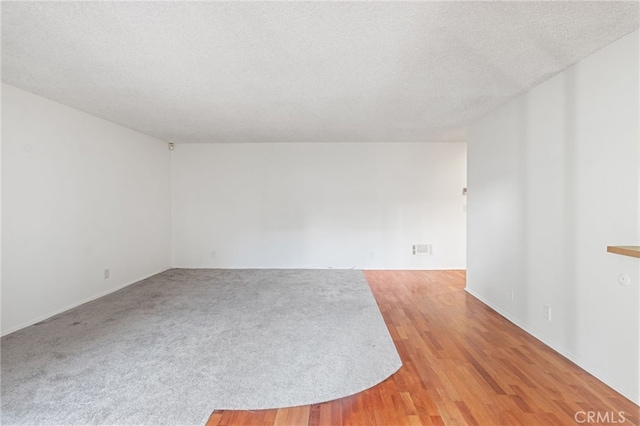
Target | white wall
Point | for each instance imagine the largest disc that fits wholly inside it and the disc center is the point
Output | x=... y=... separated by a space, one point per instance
x=553 y=180
x=318 y=205
x=79 y=195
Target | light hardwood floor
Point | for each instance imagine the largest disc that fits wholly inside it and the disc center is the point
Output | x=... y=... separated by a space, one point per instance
x=463 y=364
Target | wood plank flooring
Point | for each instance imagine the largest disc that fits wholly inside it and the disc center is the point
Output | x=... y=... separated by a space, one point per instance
x=463 y=365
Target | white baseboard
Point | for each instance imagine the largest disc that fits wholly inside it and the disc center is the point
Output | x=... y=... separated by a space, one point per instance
x=343 y=268
x=76 y=304
x=595 y=372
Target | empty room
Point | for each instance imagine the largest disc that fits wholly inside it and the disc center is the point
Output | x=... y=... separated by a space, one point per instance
x=320 y=213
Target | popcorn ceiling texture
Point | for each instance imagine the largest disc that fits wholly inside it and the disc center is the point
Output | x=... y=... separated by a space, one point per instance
x=298 y=71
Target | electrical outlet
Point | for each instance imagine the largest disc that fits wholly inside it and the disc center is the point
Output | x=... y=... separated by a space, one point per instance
x=106 y=274
x=546 y=312
x=511 y=295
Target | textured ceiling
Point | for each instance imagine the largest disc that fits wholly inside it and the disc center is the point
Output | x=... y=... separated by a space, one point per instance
x=298 y=71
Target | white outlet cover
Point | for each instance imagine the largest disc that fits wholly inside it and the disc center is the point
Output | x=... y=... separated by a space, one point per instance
x=546 y=312
x=623 y=279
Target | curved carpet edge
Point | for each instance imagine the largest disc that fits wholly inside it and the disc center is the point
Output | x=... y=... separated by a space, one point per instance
x=176 y=346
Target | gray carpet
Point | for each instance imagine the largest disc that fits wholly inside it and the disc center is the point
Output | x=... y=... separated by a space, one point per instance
x=174 y=347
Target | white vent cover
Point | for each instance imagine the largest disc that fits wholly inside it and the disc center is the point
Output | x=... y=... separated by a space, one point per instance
x=424 y=249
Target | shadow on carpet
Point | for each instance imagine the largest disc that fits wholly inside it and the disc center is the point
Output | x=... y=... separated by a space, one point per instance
x=174 y=347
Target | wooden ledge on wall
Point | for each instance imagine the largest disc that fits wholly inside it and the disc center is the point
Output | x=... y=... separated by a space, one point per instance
x=633 y=251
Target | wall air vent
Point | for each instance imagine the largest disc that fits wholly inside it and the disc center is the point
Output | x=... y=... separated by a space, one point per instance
x=423 y=249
